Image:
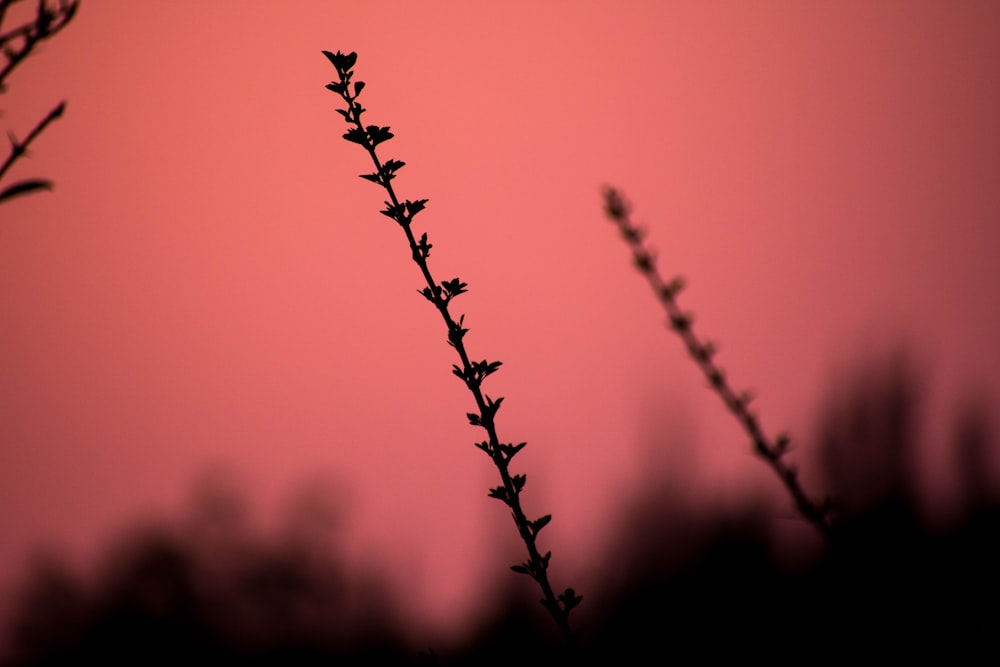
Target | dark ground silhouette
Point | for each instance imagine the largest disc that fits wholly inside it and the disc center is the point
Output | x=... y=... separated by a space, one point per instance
x=679 y=583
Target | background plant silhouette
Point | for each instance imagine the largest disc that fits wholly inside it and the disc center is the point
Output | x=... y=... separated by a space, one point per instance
x=771 y=451
x=676 y=577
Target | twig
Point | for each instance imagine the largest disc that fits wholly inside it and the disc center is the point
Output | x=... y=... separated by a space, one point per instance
x=16 y=44
x=47 y=22
x=773 y=452
x=472 y=373
x=19 y=148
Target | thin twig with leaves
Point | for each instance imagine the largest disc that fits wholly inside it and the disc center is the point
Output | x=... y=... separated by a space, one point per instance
x=16 y=44
x=19 y=148
x=471 y=373
x=771 y=451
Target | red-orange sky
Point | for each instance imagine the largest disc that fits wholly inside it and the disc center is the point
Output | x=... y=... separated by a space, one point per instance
x=210 y=286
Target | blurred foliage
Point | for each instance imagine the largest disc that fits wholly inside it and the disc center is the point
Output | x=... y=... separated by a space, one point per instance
x=677 y=581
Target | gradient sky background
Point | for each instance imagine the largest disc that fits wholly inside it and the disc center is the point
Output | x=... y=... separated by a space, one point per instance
x=211 y=287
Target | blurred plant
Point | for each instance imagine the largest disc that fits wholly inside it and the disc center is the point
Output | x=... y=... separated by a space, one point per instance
x=471 y=373
x=17 y=44
x=675 y=577
x=771 y=451
x=212 y=588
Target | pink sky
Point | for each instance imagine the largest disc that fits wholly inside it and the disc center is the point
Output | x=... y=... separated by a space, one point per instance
x=211 y=286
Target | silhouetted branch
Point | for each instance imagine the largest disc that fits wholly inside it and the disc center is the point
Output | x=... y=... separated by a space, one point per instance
x=772 y=451
x=19 y=42
x=16 y=44
x=471 y=373
x=17 y=149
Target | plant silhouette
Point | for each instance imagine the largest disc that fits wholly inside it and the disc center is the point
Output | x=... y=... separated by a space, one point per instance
x=17 y=43
x=772 y=451
x=209 y=588
x=472 y=373
x=678 y=580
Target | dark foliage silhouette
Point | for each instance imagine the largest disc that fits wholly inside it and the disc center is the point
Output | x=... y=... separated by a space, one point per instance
x=890 y=581
x=863 y=447
x=209 y=590
x=16 y=44
x=679 y=581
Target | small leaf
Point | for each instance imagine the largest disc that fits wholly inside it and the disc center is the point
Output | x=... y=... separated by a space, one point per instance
x=457 y=332
x=474 y=419
x=342 y=62
x=393 y=166
x=414 y=207
x=357 y=136
x=511 y=450
x=392 y=211
x=519 y=481
x=358 y=87
x=781 y=444
x=454 y=287
x=491 y=407
x=570 y=599
x=337 y=86
x=424 y=247
x=632 y=235
x=643 y=261
x=702 y=353
x=540 y=523
x=499 y=493
x=374 y=178
x=334 y=58
x=614 y=204
x=25 y=187
x=521 y=569
x=680 y=322
x=378 y=134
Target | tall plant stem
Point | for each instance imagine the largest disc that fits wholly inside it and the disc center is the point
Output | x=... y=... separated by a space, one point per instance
x=472 y=373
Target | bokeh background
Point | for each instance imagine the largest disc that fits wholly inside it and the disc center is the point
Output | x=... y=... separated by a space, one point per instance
x=210 y=305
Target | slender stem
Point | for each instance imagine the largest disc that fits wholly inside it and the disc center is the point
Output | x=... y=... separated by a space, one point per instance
x=18 y=149
x=471 y=374
x=772 y=451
